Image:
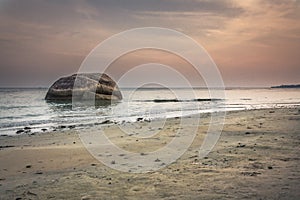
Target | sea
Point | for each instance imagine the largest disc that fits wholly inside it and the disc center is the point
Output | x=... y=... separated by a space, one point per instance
x=27 y=107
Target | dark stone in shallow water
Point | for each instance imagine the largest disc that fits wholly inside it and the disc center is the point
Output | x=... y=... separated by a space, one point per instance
x=86 y=86
x=139 y=119
x=71 y=126
x=6 y=146
x=178 y=100
x=19 y=131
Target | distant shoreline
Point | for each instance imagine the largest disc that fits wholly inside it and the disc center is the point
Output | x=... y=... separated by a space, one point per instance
x=163 y=88
x=150 y=88
x=287 y=86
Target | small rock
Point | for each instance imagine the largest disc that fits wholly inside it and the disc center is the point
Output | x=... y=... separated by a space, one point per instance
x=62 y=126
x=139 y=119
x=27 y=131
x=71 y=126
x=4 y=135
x=270 y=167
x=44 y=129
x=106 y=122
x=93 y=164
x=113 y=162
x=247 y=133
x=19 y=131
x=86 y=197
x=27 y=128
x=157 y=160
x=28 y=166
x=240 y=145
x=74 y=142
x=250 y=173
x=31 y=193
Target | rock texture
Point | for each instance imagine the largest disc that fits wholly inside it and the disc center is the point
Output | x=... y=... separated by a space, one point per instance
x=86 y=87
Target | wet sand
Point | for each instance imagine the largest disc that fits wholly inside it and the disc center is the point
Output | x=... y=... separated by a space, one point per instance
x=256 y=157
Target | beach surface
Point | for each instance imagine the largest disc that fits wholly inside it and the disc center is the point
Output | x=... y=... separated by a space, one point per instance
x=256 y=157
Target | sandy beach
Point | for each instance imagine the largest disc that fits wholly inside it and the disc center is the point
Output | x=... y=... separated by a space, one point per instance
x=256 y=157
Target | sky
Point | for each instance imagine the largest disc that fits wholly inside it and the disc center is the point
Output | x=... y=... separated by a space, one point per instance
x=254 y=43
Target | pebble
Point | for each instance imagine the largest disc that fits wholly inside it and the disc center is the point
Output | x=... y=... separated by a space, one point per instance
x=240 y=145
x=31 y=193
x=28 y=166
x=250 y=173
x=86 y=197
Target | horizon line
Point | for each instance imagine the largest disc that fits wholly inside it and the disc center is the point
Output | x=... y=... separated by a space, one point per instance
x=196 y=87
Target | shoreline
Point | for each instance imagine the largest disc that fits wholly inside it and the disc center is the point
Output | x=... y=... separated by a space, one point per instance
x=257 y=156
x=32 y=130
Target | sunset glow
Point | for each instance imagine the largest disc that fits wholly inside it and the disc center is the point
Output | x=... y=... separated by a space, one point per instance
x=254 y=43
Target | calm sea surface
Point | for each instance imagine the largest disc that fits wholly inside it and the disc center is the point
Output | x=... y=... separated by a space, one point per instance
x=21 y=108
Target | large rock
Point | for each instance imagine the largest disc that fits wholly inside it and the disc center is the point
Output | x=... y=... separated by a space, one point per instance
x=86 y=86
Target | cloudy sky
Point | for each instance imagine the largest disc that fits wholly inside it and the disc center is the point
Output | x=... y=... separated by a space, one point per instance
x=253 y=42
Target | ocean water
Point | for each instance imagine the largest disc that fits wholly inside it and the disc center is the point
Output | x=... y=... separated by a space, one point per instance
x=21 y=108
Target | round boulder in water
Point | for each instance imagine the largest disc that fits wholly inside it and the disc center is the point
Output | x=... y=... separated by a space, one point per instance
x=101 y=86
